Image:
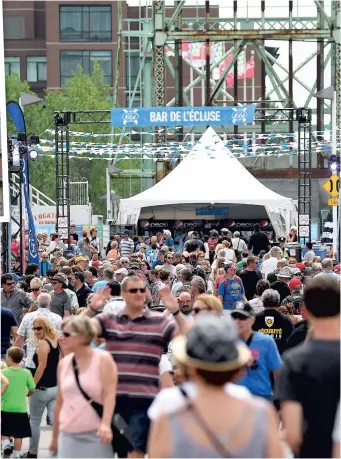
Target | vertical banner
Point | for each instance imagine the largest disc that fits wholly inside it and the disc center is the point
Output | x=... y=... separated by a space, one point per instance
x=33 y=252
x=17 y=116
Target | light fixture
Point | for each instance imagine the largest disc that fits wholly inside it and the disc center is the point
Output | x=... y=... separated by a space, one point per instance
x=33 y=153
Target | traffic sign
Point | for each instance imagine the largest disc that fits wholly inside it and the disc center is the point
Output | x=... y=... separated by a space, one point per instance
x=333 y=202
x=332 y=186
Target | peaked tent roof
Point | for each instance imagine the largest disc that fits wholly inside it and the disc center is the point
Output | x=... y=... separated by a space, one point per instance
x=226 y=181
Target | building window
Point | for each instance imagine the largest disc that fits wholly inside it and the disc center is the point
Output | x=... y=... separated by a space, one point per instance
x=85 y=23
x=12 y=65
x=132 y=71
x=71 y=60
x=36 y=68
x=14 y=28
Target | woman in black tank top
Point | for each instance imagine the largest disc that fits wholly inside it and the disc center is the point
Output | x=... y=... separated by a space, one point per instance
x=46 y=360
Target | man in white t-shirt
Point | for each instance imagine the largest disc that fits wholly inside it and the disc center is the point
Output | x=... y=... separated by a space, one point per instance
x=270 y=265
x=238 y=244
x=116 y=303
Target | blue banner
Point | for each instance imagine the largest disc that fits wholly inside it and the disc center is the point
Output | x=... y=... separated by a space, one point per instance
x=33 y=252
x=16 y=114
x=212 y=211
x=182 y=116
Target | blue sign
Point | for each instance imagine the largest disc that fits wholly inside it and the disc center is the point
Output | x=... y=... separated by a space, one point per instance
x=212 y=211
x=33 y=253
x=16 y=114
x=182 y=116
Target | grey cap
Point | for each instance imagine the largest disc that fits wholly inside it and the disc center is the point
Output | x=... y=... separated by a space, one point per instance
x=212 y=344
x=243 y=308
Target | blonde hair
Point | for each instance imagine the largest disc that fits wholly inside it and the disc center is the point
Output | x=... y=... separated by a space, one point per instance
x=212 y=303
x=49 y=330
x=81 y=325
x=226 y=243
x=218 y=248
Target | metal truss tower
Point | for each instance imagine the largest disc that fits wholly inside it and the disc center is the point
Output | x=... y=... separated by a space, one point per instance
x=169 y=27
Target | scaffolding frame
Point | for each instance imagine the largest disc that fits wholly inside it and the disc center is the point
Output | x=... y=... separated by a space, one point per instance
x=161 y=31
x=82 y=117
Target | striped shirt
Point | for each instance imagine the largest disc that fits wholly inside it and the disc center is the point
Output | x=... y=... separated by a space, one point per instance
x=137 y=345
x=126 y=247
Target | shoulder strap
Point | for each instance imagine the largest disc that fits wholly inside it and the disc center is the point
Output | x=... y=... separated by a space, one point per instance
x=96 y=406
x=217 y=444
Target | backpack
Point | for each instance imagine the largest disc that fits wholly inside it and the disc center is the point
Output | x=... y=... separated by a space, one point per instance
x=297 y=302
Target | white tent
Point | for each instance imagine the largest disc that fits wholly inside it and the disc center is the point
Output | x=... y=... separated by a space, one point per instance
x=211 y=175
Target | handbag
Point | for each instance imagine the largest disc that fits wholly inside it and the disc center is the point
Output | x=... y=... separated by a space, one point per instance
x=119 y=427
x=217 y=444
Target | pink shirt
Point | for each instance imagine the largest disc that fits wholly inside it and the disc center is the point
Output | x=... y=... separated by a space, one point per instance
x=76 y=414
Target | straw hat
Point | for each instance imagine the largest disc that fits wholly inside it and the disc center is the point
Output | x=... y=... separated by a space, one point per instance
x=212 y=345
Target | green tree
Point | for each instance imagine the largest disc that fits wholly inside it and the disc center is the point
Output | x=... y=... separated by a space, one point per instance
x=82 y=92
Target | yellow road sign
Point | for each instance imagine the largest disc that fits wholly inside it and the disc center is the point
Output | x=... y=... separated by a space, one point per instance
x=333 y=202
x=332 y=185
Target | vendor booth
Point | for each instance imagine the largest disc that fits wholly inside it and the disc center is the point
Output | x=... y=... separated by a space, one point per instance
x=209 y=185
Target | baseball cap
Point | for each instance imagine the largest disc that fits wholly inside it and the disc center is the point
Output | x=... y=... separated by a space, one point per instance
x=78 y=259
x=122 y=271
x=295 y=283
x=337 y=268
x=300 y=266
x=85 y=233
x=125 y=232
x=281 y=240
x=212 y=345
x=243 y=308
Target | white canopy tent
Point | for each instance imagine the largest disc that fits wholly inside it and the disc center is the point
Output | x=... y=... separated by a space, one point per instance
x=211 y=175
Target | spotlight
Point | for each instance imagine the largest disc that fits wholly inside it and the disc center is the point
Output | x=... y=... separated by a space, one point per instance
x=334 y=164
x=33 y=152
x=34 y=139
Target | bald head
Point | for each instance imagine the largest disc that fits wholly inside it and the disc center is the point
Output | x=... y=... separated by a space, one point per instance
x=185 y=302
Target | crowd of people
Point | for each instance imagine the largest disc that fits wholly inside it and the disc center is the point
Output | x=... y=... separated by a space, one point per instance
x=227 y=348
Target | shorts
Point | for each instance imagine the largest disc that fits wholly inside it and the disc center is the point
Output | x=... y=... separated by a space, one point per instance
x=134 y=412
x=15 y=425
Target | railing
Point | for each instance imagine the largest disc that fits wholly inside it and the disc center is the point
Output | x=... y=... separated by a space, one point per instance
x=79 y=193
x=37 y=198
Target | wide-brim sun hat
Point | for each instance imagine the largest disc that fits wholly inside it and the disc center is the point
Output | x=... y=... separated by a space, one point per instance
x=285 y=273
x=211 y=345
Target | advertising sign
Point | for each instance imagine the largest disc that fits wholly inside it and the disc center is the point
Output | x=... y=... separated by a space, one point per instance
x=182 y=116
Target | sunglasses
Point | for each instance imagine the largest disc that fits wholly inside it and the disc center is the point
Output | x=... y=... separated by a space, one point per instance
x=37 y=328
x=10 y=283
x=44 y=258
x=238 y=316
x=34 y=290
x=67 y=334
x=169 y=258
x=135 y=290
x=125 y=262
x=198 y=310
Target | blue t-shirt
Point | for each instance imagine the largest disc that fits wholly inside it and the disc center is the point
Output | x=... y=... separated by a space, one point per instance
x=169 y=242
x=157 y=263
x=232 y=291
x=99 y=285
x=44 y=266
x=266 y=358
x=7 y=321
